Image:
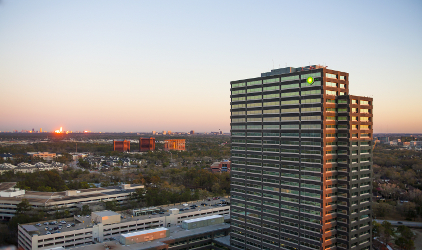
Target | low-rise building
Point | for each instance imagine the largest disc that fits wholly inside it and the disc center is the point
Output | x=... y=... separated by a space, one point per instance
x=221 y=167
x=175 y=144
x=72 y=200
x=44 y=155
x=128 y=230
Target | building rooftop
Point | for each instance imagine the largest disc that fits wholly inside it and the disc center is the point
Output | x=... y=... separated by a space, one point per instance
x=86 y=222
x=175 y=233
x=105 y=213
x=7 y=185
x=224 y=240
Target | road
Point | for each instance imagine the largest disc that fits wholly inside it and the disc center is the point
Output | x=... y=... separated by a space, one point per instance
x=406 y=223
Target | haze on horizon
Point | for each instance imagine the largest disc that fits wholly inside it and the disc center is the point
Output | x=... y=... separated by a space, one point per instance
x=167 y=65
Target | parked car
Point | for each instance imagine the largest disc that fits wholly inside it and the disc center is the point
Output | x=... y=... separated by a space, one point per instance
x=38 y=224
x=63 y=222
x=185 y=204
x=72 y=224
x=48 y=232
x=181 y=209
x=154 y=213
x=68 y=225
x=161 y=212
x=45 y=223
x=87 y=216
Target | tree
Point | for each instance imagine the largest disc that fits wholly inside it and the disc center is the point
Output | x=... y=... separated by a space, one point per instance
x=388 y=231
x=86 y=210
x=404 y=244
x=376 y=229
x=23 y=207
x=111 y=205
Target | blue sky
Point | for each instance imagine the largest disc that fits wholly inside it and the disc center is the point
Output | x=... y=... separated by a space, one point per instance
x=167 y=65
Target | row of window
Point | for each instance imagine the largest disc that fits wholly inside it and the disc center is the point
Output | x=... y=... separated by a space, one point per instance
x=273 y=80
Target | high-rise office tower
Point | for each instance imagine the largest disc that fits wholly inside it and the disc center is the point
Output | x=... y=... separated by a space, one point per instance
x=301 y=161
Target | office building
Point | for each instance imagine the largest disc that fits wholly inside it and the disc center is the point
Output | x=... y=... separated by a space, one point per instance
x=194 y=227
x=174 y=144
x=44 y=155
x=121 y=145
x=146 y=144
x=301 y=174
x=71 y=200
x=220 y=166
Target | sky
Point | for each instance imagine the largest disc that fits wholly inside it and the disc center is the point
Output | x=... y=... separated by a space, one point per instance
x=138 y=66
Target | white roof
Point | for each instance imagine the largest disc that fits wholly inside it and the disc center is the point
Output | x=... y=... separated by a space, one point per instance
x=145 y=232
x=203 y=218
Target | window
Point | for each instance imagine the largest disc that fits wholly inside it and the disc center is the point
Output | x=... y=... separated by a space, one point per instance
x=330 y=92
x=271 y=80
x=238 y=99
x=257 y=104
x=254 y=90
x=240 y=84
x=311 y=92
x=254 y=119
x=238 y=120
x=271 y=88
x=342 y=77
x=271 y=103
x=364 y=119
x=271 y=119
x=271 y=111
x=290 y=86
x=254 y=97
x=271 y=127
x=236 y=92
x=317 y=109
x=236 y=106
x=308 y=118
x=238 y=127
x=285 y=94
x=291 y=110
x=329 y=75
x=289 y=102
x=331 y=84
x=293 y=126
x=254 y=112
x=271 y=96
x=239 y=113
x=364 y=102
x=290 y=118
x=315 y=100
x=289 y=78
x=254 y=83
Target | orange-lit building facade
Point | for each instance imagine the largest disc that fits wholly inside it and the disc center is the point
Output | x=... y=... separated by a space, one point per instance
x=146 y=144
x=121 y=145
x=174 y=144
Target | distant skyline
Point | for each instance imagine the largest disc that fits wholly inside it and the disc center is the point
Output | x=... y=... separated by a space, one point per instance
x=167 y=65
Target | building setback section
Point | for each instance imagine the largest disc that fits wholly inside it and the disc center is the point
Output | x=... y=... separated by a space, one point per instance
x=142 y=236
x=202 y=222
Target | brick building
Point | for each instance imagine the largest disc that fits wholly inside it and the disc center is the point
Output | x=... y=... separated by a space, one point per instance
x=174 y=144
x=121 y=145
x=146 y=144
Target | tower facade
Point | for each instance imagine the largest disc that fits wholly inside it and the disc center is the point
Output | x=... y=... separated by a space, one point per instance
x=121 y=145
x=146 y=144
x=301 y=173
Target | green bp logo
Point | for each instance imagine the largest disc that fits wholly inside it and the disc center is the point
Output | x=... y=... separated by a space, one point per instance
x=310 y=80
